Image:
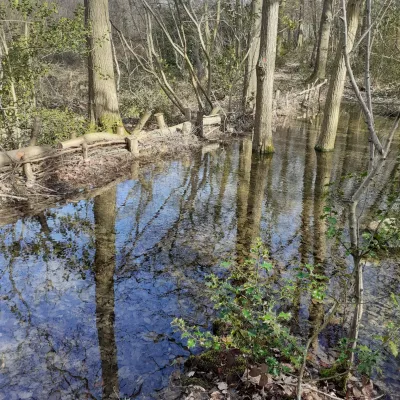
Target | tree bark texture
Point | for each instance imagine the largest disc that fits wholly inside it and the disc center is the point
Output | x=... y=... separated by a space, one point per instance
x=300 y=29
x=323 y=41
x=262 y=141
x=326 y=139
x=250 y=77
x=281 y=28
x=103 y=100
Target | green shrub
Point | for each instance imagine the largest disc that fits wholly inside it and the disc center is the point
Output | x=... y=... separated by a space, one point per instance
x=246 y=303
x=58 y=125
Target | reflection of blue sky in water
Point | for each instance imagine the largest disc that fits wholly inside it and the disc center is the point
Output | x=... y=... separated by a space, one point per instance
x=172 y=225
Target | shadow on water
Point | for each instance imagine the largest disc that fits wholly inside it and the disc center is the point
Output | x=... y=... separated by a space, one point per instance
x=88 y=290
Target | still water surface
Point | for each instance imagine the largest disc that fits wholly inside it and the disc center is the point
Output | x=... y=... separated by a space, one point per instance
x=88 y=290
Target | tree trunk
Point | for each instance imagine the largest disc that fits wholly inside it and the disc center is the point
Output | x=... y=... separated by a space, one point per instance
x=300 y=29
x=238 y=27
x=250 y=76
x=326 y=139
x=323 y=41
x=282 y=9
x=103 y=100
x=262 y=141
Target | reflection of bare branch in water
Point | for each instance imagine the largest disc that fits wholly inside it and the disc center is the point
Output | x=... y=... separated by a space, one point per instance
x=19 y=295
x=140 y=234
x=186 y=205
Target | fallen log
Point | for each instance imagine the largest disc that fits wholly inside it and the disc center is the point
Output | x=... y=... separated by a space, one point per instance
x=39 y=153
x=90 y=138
x=161 y=132
x=24 y=154
x=211 y=120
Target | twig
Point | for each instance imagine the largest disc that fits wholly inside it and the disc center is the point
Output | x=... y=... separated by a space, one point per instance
x=309 y=342
x=316 y=390
x=379 y=397
x=328 y=377
x=311 y=88
x=13 y=197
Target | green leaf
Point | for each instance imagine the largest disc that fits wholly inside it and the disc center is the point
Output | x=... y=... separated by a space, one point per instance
x=267 y=266
x=225 y=264
x=246 y=313
x=394 y=348
x=191 y=343
x=285 y=316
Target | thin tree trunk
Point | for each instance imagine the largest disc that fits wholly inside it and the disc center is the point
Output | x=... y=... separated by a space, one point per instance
x=103 y=100
x=323 y=41
x=300 y=30
x=238 y=23
x=262 y=141
x=250 y=76
x=282 y=9
x=326 y=139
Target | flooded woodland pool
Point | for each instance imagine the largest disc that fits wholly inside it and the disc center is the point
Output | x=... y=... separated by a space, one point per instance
x=88 y=290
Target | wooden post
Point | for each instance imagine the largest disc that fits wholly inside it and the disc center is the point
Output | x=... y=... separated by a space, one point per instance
x=36 y=129
x=188 y=114
x=142 y=122
x=199 y=123
x=187 y=128
x=215 y=110
x=120 y=130
x=160 y=120
x=28 y=171
x=85 y=152
x=133 y=145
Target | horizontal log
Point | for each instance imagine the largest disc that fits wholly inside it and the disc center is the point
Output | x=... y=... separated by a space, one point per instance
x=211 y=120
x=91 y=138
x=24 y=154
x=160 y=132
x=37 y=153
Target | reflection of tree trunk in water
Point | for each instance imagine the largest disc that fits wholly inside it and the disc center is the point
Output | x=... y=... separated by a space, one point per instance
x=41 y=217
x=324 y=168
x=104 y=268
x=309 y=166
x=306 y=238
x=283 y=179
x=212 y=171
x=258 y=180
x=194 y=186
x=224 y=181
x=359 y=281
x=243 y=187
x=353 y=131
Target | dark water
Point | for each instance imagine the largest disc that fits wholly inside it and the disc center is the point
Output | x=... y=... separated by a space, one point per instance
x=88 y=290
